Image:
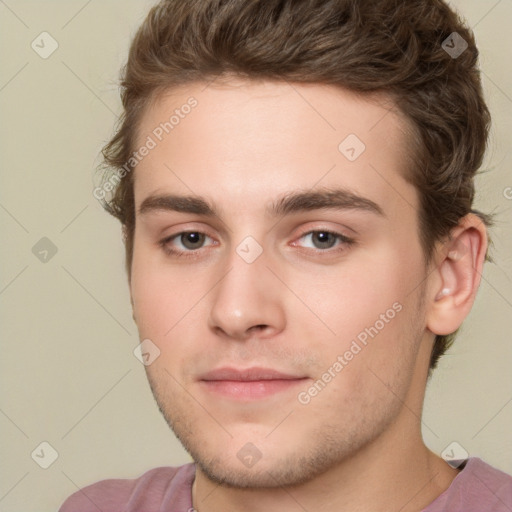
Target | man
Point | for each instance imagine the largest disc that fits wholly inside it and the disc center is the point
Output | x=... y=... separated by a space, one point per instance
x=295 y=184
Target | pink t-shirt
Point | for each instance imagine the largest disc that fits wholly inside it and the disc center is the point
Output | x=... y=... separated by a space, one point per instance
x=477 y=488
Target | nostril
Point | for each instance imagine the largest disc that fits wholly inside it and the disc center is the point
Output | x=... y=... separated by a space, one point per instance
x=258 y=327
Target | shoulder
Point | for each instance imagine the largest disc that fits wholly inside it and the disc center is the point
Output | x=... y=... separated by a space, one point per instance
x=477 y=487
x=150 y=490
x=489 y=481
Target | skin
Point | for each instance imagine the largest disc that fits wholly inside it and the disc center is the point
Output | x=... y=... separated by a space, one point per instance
x=356 y=445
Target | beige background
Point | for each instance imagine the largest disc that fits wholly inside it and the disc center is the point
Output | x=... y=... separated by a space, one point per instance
x=68 y=375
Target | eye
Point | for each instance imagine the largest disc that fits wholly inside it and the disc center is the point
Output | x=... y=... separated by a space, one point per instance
x=185 y=242
x=324 y=239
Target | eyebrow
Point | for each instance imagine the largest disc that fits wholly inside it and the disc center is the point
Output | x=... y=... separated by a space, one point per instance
x=293 y=202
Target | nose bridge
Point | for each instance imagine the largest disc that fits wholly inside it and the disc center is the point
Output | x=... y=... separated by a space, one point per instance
x=247 y=296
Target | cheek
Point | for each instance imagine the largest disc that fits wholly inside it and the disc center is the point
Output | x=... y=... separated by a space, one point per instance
x=157 y=308
x=352 y=297
x=375 y=320
x=154 y=300
x=167 y=301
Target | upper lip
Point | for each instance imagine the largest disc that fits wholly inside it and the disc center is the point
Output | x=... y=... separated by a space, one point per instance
x=248 y=374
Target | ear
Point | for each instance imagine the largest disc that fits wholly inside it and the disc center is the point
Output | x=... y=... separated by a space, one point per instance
x=454 y=281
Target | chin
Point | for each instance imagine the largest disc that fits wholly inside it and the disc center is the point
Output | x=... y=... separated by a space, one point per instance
x=274 y=473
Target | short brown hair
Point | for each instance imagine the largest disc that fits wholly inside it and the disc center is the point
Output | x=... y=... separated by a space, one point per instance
x=364 y=46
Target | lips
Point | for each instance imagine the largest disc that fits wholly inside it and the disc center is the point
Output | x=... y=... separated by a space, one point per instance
x=250 y=383
x=247 y=375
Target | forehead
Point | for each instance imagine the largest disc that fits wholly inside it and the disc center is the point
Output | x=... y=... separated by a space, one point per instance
x=237 y=137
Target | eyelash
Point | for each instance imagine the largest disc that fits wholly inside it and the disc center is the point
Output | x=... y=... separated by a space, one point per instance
x=193 y=253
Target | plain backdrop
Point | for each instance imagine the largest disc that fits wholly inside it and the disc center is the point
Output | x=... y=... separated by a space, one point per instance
x=68 y=374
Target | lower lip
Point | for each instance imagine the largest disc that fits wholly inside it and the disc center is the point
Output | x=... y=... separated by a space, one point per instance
x=250 y=390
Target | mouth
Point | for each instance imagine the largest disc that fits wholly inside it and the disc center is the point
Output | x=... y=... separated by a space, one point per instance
x=249 y=384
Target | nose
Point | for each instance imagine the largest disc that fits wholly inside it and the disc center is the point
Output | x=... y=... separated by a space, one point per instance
x=248 y=301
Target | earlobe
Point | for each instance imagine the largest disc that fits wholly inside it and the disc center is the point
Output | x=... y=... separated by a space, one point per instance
x=456 y=278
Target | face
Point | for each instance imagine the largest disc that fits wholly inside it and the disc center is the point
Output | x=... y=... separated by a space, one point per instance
x=277 y=268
